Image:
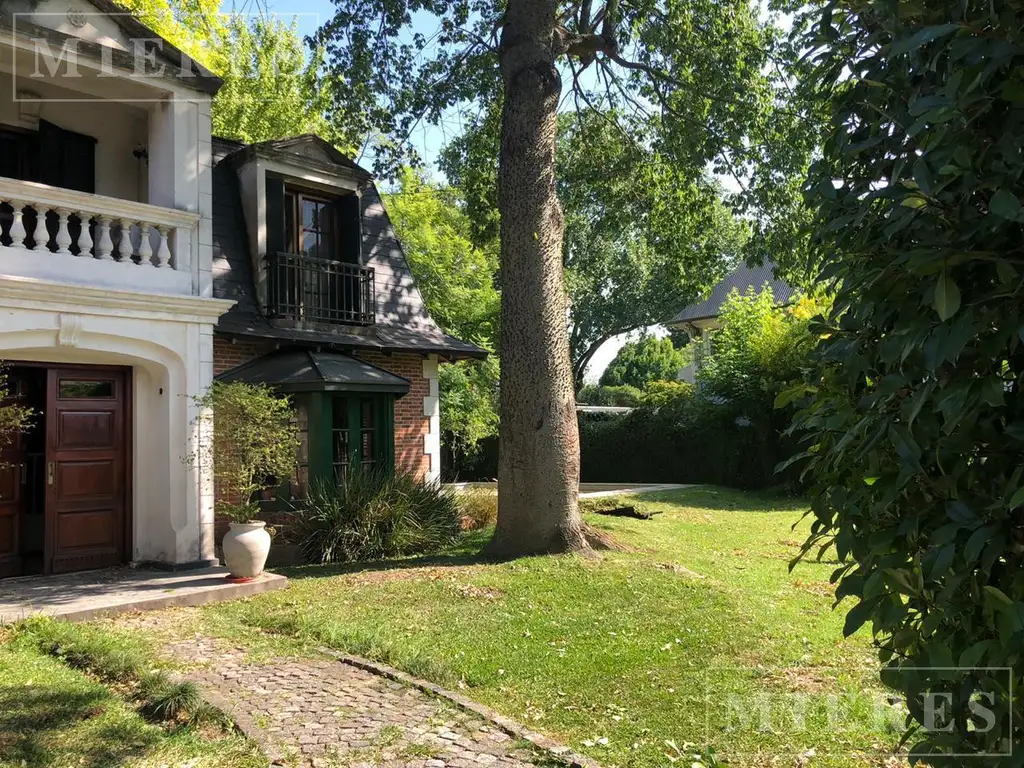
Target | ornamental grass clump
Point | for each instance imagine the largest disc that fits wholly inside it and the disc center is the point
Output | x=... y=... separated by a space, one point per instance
x=373 y=515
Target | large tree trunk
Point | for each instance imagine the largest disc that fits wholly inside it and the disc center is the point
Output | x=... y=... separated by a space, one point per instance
x=538 y=462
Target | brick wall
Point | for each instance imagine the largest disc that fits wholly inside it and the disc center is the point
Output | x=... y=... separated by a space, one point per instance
x=229 y=353
x=411 y=426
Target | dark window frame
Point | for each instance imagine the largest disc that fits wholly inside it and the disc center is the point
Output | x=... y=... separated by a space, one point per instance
x=378 y=433
x=294 y=197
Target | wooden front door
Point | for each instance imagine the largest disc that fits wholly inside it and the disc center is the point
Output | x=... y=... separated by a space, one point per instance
x=12 y=498
x=87 y=480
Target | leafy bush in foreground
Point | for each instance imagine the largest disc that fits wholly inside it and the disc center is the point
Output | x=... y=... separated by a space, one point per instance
x=916 y=426
x=372 y=515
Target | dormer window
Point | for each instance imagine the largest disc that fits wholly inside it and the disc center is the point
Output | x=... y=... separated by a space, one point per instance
x=302 y=200
x=311 y=225
x=313 y=272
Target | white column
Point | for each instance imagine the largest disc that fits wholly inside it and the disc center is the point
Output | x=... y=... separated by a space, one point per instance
x=432 y=410
x=175 y=132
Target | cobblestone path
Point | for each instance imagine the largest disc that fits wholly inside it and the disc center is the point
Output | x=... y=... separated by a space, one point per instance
x=322 y=713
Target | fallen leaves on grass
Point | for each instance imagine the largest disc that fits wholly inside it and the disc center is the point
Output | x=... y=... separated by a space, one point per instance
x=680 y=569
x=473 y=592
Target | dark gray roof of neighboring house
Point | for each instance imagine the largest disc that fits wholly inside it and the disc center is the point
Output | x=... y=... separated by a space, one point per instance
x=303 y=370
x=742 y=279
x=403 y=323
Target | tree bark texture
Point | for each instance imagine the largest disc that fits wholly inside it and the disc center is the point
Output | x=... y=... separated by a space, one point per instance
x=538 y=463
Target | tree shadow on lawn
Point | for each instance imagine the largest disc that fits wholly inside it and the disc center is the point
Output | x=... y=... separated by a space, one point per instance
x=720 y=498
x=466 y=552
x=34 y=718
x=327 y=570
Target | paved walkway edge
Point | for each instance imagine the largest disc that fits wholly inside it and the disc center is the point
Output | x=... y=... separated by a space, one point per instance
x=238 y=717
x=509 y=726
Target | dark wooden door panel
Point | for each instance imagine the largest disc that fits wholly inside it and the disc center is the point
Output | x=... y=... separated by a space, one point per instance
x=87 y=483
x=11 y=503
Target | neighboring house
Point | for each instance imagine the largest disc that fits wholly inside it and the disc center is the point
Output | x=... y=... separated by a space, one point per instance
x=139 y=256
x=701 y=319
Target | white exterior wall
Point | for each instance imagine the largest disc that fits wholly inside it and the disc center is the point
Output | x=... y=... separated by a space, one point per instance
x=119 y=129
x=60 y=309
x=165 y=345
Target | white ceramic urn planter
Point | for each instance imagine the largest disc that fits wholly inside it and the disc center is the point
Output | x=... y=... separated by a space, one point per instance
x=246 y=546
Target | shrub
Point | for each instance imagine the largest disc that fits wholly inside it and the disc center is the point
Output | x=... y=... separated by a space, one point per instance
x=479 y=508
x=686 y=440
x=372 y=515
x=915 y=425
x=625 y=396
x=254 y=444
x=726 y=430
x=659 y=393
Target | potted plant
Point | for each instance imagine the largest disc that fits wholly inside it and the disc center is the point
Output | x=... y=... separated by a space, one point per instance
x=253 y=443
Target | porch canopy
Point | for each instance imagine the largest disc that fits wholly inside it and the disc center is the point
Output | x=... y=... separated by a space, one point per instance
x=303 y=370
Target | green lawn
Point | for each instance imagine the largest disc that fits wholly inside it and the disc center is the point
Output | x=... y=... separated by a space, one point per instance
x=52 y=716
x=675 y=642
x=699 y=635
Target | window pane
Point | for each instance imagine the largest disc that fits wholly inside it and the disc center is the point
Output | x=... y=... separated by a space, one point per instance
x=325 y=218
x=367 y=414
x=72 y=389
x=310 y=241
x=300 y=480
x=340 y=413
x=309 y=213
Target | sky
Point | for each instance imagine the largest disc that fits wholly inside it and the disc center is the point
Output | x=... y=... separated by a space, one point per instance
x=428 y=139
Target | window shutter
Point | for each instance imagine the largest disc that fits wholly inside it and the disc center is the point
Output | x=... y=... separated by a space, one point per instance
x=66 y=159
x=350 y=229
x=19 y=155
x=275 y=215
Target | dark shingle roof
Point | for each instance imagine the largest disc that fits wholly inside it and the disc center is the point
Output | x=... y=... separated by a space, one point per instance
x=302 y=370
x=403 y=323
x=742 y=279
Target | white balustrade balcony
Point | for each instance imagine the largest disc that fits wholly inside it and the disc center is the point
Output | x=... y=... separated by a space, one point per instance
x=60 y=234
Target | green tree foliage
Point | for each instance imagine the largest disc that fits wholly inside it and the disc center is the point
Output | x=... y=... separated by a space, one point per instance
x=639 y=363
x=644 y=236
x=253 y=444
x=760 y=348
x=273 y=87
x=455 y=276
x=456 y=279
x=623 y=396
x=916 y=424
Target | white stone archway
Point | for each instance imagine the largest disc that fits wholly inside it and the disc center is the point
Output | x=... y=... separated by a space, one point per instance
x=169 y=350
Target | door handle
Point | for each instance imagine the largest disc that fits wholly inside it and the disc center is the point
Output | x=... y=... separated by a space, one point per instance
x=49 y=473
x=24 y=473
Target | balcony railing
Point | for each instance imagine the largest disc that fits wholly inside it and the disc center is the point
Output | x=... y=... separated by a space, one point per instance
x=307 y=290
x=60 y=222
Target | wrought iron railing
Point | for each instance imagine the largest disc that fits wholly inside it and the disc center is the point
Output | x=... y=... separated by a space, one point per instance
x=311 y=290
